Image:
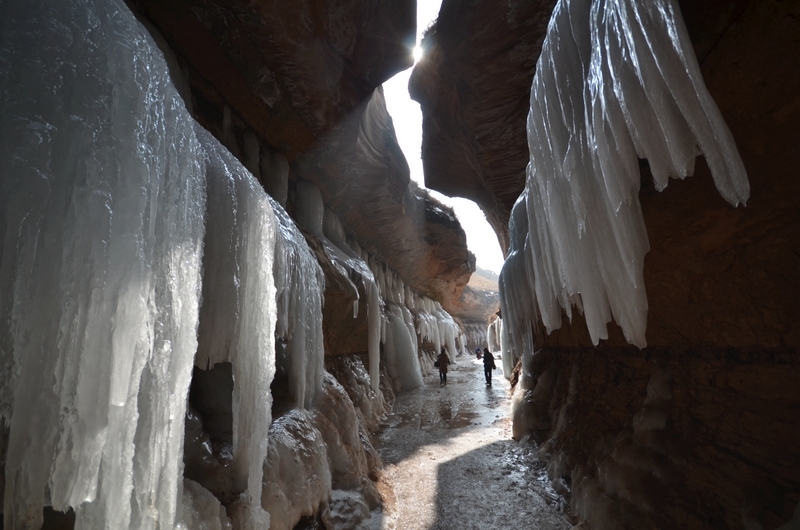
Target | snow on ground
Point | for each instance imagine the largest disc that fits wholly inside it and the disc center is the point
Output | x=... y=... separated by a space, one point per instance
x=449 y=455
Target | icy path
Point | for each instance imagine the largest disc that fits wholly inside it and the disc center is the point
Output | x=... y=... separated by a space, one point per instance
x=448 y=453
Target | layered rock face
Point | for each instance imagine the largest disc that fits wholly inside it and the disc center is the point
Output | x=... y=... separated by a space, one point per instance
x=698 y=429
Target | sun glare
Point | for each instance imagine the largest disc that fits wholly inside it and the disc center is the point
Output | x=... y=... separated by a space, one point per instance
x=417 y=53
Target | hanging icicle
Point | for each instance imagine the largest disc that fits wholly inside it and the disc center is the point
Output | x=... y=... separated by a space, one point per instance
x=616 y=80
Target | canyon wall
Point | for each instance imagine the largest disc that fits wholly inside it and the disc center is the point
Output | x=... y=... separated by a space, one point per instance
x=698 y=429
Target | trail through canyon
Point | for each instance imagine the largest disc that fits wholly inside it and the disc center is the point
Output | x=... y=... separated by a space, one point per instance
x=449 y=456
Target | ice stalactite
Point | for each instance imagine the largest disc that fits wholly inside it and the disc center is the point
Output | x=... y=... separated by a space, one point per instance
x=616 y=80
x=300 y=284
x=499 y=341
x=275 y=172
x=238 y=314
x=493 y=335
x=103 y=199
x=516 y=282
x=435 y=325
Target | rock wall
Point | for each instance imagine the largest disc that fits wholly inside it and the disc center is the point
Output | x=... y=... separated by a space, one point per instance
x=473 y=126
x=699 y=429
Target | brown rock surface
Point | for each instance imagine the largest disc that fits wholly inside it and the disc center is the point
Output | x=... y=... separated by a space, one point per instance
x=480 y=299
x=473 y=85
x=724 y=295
x=717 y=447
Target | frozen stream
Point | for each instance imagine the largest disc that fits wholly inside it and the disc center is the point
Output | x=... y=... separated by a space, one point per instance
x=449 y=455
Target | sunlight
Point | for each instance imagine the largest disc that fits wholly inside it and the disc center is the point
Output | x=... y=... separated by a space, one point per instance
x=417 y=53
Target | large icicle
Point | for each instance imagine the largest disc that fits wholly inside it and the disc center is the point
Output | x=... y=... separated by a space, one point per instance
x=515 y=285
x=616 y=79
x=401 y=351
x=301 y=285
x=102 y=197
x=237 y=319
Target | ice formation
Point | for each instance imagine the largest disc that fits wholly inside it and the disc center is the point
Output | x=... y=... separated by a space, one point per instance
x=201 y=510
x=238 y=313
x=400 y=351
x=297 y=469
x=493 y=335
x=102 y=196
x=616 y=80
x=322 y=222
x=300 y=285
x=515 y=285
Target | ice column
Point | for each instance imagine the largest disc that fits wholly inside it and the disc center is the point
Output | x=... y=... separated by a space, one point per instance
x=616 y=80
x=401 y=351
x=103 y=198
x=517 y=285
x=237 y=318
x=301 y=286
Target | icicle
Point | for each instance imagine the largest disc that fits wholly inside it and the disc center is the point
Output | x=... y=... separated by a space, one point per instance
x=400 y=352
x=615 y=79
x=518 y=288
x=238 y=315
x=228 y=136
x=322 y=222
x=102 y=193
x=300 y=283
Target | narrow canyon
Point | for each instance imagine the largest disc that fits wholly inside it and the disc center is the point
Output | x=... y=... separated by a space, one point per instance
x=224 y=301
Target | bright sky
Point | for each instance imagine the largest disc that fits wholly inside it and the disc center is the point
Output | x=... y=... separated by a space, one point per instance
x=407 y=119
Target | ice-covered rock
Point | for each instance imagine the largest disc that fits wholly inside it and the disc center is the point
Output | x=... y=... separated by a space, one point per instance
x=616 y=80
x=297 y=476
x=201 y=510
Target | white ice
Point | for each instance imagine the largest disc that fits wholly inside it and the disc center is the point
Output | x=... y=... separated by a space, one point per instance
x=103 y=198
x=400 y=348
x=616 y=80
x=238 y=314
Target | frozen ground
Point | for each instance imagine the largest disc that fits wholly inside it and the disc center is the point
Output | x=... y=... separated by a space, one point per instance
x=449 y=455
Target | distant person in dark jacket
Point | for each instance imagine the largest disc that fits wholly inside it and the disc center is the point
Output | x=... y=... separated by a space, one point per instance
x=488 y=365
x=443 y=361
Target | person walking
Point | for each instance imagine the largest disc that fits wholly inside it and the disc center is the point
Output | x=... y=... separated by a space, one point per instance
x=488 y=365
x=442 y=362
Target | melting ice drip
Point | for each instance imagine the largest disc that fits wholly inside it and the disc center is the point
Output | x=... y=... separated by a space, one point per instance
x=616 y=80
x=102 y=198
